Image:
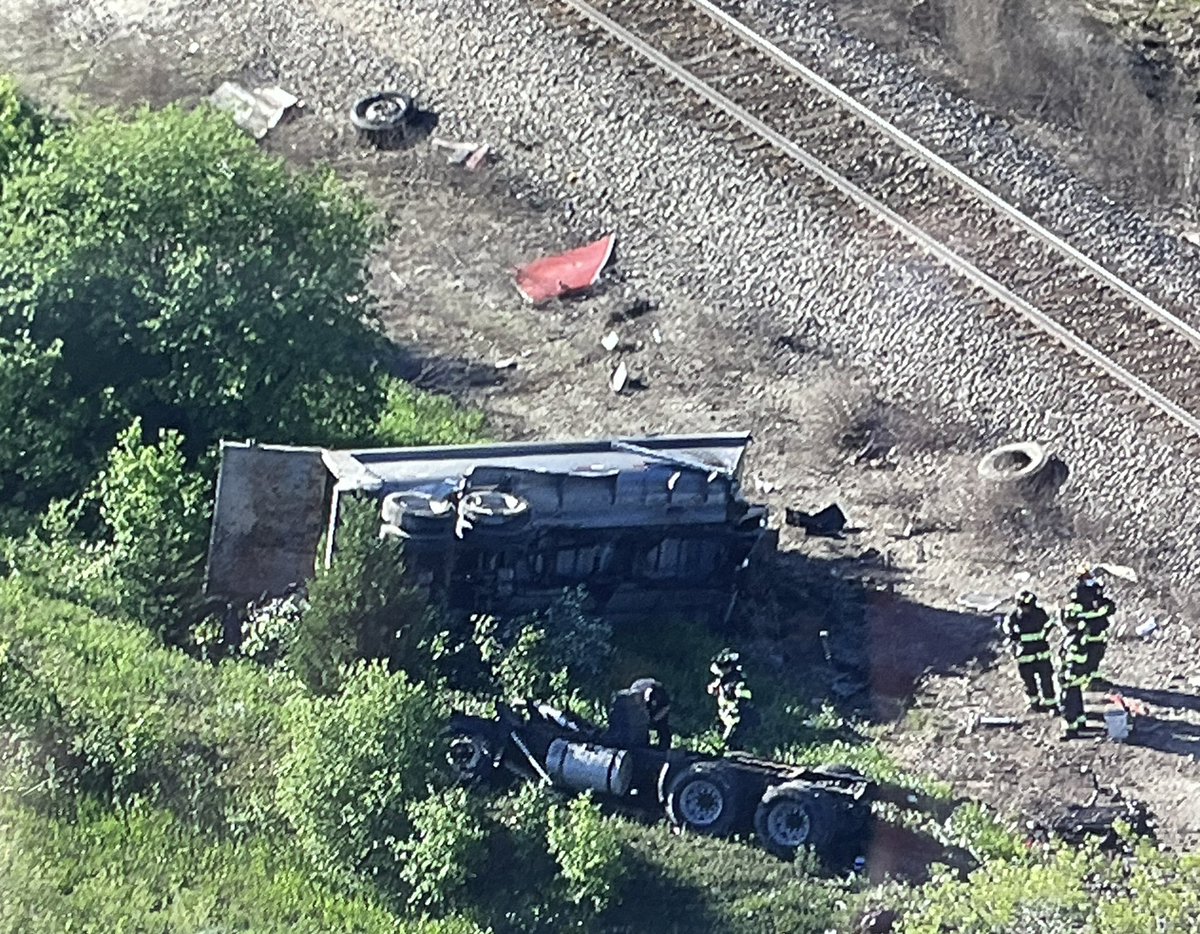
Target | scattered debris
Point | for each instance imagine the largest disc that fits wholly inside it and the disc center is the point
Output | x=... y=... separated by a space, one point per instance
x=609 y=341
x=506 y=363
x=830 y=522
x=566 y=273
x=469 y=155
x=983 y=602
x=634 y=310
x=1077 y=823
x=656 y=335
x=763 y=485
x=619 y=378
x=258 y=111
x=1000 y=721
x=381 y=118
x=1144 y=629
x=1121 y=571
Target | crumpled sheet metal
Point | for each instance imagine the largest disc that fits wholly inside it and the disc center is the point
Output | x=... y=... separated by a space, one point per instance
x=566 y=273
x=258 y=111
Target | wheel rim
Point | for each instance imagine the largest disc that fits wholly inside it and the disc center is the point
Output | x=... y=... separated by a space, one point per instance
x=788 y=824
x=701 y=803
x=465 y=755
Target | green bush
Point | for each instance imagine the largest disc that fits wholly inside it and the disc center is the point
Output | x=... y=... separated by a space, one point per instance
x=588 y=848
x=1064 y=890
x=448 y=849
x=547 y=654
x=95 y=705
x=203 y=284
x=146 y=564
x=363 y=606
x=156 y=514
x=411 y=417
x=355 y=766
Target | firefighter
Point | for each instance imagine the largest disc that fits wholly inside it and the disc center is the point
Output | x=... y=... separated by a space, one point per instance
x=658 y=708
x=1088 y=589
x=1096 y=620
x=1073 y=677
x=1028 y=629
x=733 y=696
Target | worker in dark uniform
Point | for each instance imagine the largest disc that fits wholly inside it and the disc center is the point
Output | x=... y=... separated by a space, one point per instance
x=1096 y=623
x=733 y=696
x=1074 y=676
x=1092 y=610
x=1028 y=629
x=658 y=707
x=1088 y=589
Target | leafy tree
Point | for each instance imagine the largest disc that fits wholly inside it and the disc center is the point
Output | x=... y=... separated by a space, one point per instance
x=357 y=764
x=363 y=606
x=44 y=422
x=166 y=260
x=589 y=850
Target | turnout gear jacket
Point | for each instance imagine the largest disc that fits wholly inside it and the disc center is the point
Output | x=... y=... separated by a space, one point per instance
x=1028 y=629
x=1095 y=621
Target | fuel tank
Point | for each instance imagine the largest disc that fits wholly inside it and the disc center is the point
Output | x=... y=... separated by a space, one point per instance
x=586 y=766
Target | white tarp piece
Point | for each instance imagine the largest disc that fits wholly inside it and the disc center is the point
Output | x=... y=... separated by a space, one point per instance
x=257 y=111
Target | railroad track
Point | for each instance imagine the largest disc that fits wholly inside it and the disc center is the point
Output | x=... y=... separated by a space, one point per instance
x=778 y=102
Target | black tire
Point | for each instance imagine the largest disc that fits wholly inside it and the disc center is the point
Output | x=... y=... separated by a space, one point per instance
x=703 y=799
x=494 y=512
x=469 y=758
x=418 y=514
x=381 y=118
x=795 y=816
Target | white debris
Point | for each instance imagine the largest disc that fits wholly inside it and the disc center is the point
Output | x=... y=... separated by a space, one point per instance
x=609 y=341
x=620 y=377
x=1144 y=629
x=258 y=111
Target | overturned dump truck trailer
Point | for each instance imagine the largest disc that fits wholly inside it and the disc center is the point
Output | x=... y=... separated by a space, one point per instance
x=647 y=525
x=787 y=808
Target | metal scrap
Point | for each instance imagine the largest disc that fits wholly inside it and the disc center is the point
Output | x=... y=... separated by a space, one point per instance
x=258 y=111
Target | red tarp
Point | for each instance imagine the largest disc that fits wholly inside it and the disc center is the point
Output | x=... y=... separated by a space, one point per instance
x=573 y=271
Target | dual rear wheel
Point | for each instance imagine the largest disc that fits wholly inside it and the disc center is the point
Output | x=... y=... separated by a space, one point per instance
x=709 y=798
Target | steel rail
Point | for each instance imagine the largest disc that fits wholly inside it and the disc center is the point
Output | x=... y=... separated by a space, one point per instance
x=904 y=141
x=960 y=265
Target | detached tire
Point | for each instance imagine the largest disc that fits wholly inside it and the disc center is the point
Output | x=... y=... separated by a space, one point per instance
x=1014 y=465
x=795 y=815
x=703 y=799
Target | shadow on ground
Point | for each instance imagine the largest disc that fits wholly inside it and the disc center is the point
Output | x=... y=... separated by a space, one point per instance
x=878 y=645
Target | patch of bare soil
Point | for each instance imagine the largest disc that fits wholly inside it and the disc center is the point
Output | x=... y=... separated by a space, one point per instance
x=928 y=533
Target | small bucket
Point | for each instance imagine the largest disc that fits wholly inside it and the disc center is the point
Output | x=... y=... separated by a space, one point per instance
x=1116 y=720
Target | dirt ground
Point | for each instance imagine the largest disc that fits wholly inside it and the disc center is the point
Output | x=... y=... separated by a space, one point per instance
x=444 y=283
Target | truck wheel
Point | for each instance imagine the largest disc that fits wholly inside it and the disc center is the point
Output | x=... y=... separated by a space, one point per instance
x=794 y=815
x=491 y=514
x=417 y=514
x=702 y=799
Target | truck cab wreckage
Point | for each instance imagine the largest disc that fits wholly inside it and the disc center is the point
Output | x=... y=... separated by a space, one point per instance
x=786 y=808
